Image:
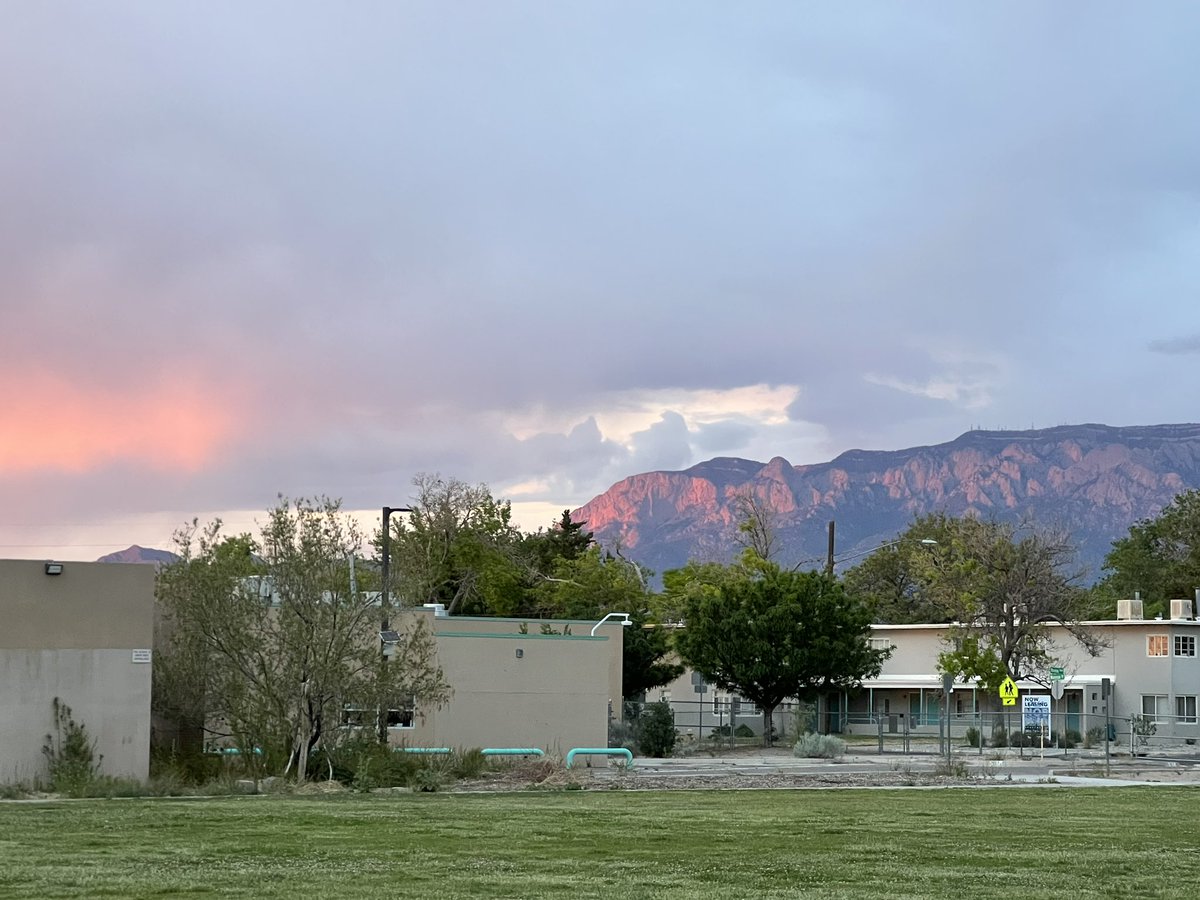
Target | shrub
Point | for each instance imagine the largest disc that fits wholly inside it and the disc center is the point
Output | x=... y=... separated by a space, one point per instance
x=1000 y=736
x=13 y=792
x=426 y=780
x=656 y=730
x=973 y=736
x=952 y=768
x=70 y=754
x=468 y=763
x=186 y=768
x=819 y=746
x=1094 y=736
x=1070 y=738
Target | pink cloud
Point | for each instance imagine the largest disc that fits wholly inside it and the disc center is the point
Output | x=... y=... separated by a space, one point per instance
x=52 y=424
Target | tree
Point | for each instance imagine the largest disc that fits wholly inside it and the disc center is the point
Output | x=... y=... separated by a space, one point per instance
x=595 y=583
x=564 y=540
x=1160 y=557
x=757 y=530
x=267 y=643
x=458 y=547
x=1001 y=585
x=768 y=634
x=892 y=579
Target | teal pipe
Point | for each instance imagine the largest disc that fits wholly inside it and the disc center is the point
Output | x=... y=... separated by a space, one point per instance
x=513 y=751
x=599 y=751
x=232 y=751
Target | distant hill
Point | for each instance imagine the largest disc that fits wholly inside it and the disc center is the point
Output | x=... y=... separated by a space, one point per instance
x=1096 y=480
x=136 y=554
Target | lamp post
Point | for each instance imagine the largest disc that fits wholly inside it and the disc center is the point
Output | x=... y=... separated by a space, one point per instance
x=625 y=621
x=385 y=607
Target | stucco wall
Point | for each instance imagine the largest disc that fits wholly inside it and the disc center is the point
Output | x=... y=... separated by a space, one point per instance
x=554 y=696
x=73 y=636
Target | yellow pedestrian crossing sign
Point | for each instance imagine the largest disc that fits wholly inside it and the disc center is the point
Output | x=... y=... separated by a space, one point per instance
x=1008 y=692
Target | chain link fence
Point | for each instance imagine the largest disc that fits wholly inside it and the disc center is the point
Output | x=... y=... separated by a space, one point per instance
x=720 y=723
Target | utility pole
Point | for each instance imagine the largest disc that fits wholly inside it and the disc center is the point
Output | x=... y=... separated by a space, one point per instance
x=829 y=554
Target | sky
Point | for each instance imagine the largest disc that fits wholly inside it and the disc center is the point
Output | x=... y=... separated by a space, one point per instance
x=251 y=249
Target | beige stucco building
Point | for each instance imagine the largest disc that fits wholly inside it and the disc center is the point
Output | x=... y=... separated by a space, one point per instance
x=1151 y=666
x=81 y=632
x=515 y=686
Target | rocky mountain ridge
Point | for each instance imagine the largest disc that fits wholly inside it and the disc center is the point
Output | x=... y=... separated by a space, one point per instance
x=1095 y=480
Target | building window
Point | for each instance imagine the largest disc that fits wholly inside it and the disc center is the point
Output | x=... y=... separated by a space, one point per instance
x=404 y=716
x=1185 y=645
x=1156 y=645
x=1185 y=709
x=360 y=717
x=1155 y=708
x=881 y=643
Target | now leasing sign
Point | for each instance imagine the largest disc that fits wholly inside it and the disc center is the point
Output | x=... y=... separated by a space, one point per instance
x=1035 y=712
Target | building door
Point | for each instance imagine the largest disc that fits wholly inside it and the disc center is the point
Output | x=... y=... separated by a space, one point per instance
x=914 y=709
x=1074 y=704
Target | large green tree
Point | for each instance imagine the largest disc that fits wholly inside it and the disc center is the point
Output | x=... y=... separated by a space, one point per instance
x=595 y=583
x=1160 y=557
x=768 y=634
x=267 y=642
x=893 y=578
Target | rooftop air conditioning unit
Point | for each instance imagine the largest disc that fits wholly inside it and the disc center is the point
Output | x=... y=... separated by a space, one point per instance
x=1181 y=609
x=439 y=610
x=1129 y=609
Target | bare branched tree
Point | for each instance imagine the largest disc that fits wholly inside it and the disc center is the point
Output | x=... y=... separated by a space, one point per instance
x=1001 y=586
x=757 y=524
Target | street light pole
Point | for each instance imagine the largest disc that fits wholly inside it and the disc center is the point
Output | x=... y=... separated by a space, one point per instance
x=385 y=605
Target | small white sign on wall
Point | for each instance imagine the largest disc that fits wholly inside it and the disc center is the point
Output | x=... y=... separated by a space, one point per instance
x=141 y=656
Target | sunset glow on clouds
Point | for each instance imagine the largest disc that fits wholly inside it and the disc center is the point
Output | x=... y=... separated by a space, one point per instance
x=50 y=425
x=252 y=249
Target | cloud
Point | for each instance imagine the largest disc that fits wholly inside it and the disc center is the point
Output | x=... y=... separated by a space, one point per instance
x=1177 y=346
x=274 y=248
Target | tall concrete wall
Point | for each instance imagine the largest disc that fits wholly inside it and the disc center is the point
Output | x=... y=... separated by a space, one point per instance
x=73 y=636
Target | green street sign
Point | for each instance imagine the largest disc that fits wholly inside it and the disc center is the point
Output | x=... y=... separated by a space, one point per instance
x=1056 y=673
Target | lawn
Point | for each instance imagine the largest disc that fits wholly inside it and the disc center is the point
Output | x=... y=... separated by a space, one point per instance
x=1026 y=842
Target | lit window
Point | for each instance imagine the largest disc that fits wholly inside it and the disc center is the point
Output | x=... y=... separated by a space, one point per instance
x=1185 y=709
x=1185 y=645
x=1156 y=645
x=1155 y=707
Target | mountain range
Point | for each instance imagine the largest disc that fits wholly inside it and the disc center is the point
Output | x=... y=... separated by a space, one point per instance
x=1094 y=480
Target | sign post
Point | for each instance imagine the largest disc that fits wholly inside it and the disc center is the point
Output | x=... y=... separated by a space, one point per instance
x=947 y=690
x=1106 y=695
x=701 y=688
x=1056 y=691
x=1035 y=713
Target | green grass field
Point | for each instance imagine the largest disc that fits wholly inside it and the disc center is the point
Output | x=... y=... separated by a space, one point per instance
x=1012 y=843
